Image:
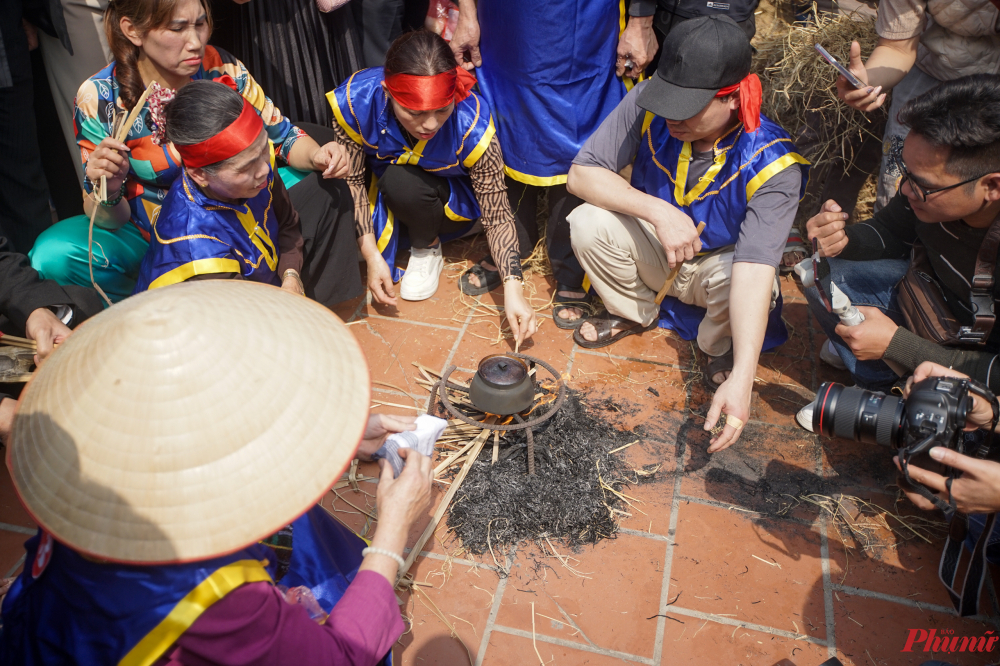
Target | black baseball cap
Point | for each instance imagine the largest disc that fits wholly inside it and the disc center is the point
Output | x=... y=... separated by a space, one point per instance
x=700 y=57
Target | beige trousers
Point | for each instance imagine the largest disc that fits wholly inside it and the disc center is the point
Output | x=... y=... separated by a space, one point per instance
x=66 y=73
x=627 y=266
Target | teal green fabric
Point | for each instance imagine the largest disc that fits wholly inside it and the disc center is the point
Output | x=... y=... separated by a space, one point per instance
x=291 y=176
x=60 y=254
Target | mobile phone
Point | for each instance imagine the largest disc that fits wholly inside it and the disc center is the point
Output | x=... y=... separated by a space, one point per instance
x=853 y=80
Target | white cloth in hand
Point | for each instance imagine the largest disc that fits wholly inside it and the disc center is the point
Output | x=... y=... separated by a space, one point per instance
x=421 y=440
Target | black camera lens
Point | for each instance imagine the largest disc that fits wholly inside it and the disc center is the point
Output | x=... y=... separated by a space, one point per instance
x=854 y=413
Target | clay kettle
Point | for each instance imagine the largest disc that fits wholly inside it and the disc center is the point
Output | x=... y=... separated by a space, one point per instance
x=502 y=385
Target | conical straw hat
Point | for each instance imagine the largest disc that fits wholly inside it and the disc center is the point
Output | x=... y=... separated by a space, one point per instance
x=189 y=422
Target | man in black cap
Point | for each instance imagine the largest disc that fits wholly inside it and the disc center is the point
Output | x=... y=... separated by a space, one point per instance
x=702 y=153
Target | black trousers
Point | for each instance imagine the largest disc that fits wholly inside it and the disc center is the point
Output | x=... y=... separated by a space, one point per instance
x=524 y=203
x=24 y=191
x=326 y=212
x=416 y=199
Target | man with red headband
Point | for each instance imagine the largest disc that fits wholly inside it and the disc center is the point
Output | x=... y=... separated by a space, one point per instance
x=702 y=154
x=227 y=216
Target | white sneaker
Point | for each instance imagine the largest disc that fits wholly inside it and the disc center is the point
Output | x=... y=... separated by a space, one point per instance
x=420 y=280
x=828 y=354
x=804 y=417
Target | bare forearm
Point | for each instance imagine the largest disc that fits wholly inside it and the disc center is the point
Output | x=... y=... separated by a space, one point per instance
x=749 y=303
x=606 y=189
x=110 y=218
x=890 y=61
x=301 y=154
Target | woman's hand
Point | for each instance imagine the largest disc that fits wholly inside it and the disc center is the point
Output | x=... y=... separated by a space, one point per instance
x=380 y=279
x=520 y=315
x=291 y=282
x=863 y=99
x=331 y=159
x=379 y=427
x=109 y=159
x=401 y=502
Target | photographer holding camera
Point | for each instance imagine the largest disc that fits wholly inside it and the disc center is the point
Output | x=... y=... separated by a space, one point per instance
x=921 y=271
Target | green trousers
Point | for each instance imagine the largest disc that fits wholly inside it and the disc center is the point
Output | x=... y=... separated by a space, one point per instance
x=61 y=254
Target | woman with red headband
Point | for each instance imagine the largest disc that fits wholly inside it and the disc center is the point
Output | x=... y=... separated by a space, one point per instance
x=436 y=168
x=227 y=216
x=164 y=43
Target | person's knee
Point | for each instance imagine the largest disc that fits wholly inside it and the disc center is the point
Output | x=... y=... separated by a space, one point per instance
x=589 y=225
x=405 y=186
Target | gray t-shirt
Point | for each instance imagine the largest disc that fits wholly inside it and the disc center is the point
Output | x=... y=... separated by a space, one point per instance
x=770 y=212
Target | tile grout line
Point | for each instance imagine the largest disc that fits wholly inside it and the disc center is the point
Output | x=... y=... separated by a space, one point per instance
x=903 y=601
x=824 y=554
x=494 y=611
x=668 y=557
x=7 y=527
x=415 y=322
x=17 y=564
x=562 y=642
x=742 y=624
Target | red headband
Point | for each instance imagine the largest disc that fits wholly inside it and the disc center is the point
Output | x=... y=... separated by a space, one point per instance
x=427 y=93
x=230 y=142
x=751 y=97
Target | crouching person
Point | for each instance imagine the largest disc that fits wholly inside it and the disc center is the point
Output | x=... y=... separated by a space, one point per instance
x=191 y=534
x=227 y=216
x=702 y=153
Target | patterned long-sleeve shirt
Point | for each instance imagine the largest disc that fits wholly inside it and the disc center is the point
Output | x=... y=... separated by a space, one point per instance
x=487 y=182
x=152 y=168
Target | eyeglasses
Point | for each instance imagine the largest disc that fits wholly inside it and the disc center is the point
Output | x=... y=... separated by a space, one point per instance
x=921 y=191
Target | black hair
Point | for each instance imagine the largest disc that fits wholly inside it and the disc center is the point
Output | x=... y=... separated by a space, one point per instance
x=199 y=111
x=964 y=115
x=419 y=53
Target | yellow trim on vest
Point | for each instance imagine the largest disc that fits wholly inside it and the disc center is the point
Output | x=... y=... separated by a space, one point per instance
x=683 y=160
x=190 y=608
x=331 y=97
x=540 y=181
x=386 y=236
x=647 y=121
x=586 y=283
x=452 y=215
x=481 y=147
x=196 y=267
x=412 y=157
x=778 y=165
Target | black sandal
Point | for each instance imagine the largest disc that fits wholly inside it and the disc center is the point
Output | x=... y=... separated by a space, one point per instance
x=604 y=324
x=560 y=303
x=714 y=366
x=488 y=280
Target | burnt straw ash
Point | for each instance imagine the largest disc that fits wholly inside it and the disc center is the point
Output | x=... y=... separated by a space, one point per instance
x=499 y=505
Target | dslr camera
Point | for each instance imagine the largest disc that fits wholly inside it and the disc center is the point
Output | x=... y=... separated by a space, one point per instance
x=934 y=414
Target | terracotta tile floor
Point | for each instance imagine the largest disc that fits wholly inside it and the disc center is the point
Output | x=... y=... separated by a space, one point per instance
x=720 y=563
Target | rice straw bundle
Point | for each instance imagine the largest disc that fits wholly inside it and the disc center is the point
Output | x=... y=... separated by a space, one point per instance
x=800 y=86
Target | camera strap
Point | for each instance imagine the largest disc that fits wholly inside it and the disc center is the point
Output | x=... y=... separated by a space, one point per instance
x=967 y=602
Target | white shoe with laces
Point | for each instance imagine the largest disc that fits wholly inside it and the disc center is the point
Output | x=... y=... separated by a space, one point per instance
x=420 y=280
x=804 y=417
x=828 y=354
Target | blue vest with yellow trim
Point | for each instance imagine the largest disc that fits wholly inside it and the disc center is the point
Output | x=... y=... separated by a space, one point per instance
x=66 y=609
x=196 y=235
x=743 y=162
x=363 y=110
x=549 y=75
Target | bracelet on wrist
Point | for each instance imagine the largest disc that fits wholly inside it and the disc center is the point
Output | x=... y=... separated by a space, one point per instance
x=512 y=278
x=114 y=202
x=382 y=551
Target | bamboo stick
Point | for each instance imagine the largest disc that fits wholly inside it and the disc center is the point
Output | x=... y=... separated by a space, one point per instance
x=14 y=341
x=432 y=526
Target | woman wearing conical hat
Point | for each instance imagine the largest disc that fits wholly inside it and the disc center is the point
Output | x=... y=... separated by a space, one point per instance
x=158 y=447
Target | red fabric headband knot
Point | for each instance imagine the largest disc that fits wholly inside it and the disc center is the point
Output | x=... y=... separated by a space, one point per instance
x=230 y=142
x=751 y=97
x=427 y=93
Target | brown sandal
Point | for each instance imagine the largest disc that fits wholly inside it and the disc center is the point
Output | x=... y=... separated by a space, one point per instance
x=603 y=325
x=714 y=365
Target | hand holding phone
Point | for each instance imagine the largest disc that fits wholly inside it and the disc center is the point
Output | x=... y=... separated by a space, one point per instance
x=852 y=84
x=846 y=73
